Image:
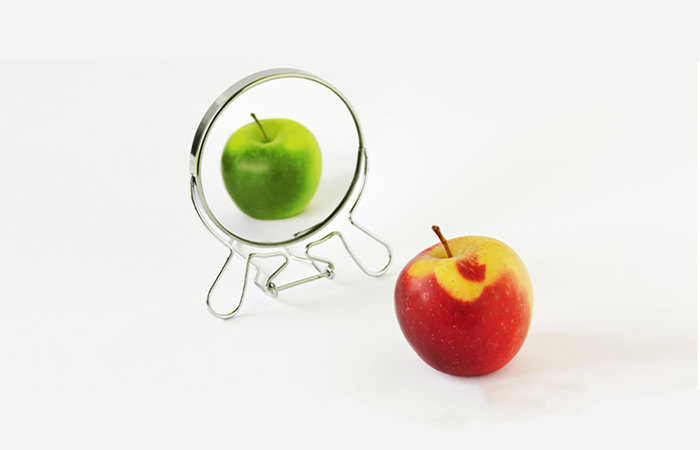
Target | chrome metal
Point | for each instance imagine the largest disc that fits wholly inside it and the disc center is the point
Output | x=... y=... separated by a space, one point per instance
x=323 y=267
x=268 y=286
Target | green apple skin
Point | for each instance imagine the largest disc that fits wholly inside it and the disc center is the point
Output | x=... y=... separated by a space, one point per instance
x=274 y=178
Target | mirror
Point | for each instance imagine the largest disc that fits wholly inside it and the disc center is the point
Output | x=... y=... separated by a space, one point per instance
x=277 y=94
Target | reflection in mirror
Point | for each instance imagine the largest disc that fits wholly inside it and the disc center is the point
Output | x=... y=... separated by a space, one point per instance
x=279 y=160
x=271 y=168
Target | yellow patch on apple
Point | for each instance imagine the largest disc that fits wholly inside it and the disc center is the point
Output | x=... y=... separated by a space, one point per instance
x=496 y=256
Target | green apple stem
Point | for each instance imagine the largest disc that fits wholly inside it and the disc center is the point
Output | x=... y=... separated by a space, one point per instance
x=437 y=231
x=261 y=128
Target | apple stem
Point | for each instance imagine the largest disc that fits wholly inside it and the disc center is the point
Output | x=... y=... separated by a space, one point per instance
x=260 y=125
x=437 y=231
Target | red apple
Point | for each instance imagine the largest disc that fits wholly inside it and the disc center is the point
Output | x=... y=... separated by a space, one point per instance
x=465 y=305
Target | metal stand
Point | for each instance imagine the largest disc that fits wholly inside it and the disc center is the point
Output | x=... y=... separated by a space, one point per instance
x=324 y=268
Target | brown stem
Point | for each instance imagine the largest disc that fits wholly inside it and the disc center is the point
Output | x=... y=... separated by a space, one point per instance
x=261 y=128
x=437 y=231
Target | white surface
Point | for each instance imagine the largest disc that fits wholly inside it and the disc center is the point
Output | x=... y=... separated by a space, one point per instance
x=549 y=134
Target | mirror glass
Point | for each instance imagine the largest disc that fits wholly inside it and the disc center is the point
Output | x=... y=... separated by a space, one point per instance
x=263 y=188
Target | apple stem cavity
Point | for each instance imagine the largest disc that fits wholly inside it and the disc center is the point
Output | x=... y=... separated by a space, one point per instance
x=262 y=130
x=437 y=231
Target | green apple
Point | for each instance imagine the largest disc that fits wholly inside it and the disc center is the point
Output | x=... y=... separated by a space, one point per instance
x=271 y=168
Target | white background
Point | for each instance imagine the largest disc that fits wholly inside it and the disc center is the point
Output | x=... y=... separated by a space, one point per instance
x=568 y=132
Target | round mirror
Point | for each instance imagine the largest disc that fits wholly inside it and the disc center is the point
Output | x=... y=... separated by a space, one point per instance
x=275 y=158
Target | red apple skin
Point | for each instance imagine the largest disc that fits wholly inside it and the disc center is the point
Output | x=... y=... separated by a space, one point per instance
x=466 y=315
